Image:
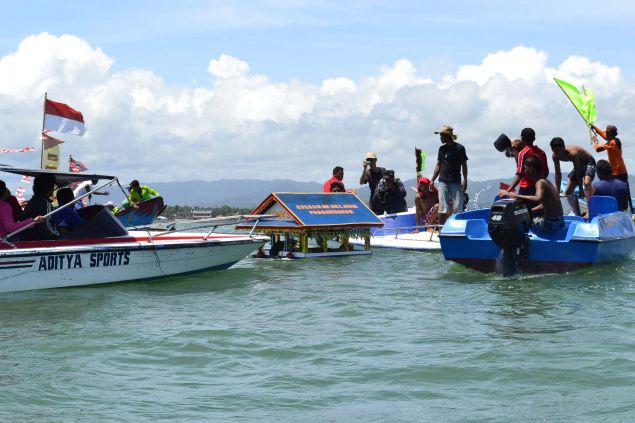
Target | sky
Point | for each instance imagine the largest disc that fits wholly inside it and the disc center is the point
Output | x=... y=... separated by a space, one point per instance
x=208 y=90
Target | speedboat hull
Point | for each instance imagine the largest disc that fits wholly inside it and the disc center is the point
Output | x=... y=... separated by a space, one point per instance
x=606 y=238
x=64 y=263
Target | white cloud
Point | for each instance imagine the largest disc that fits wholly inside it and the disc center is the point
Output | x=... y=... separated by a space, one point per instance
x=520 y=63
x=227 y=67
x=245 y=125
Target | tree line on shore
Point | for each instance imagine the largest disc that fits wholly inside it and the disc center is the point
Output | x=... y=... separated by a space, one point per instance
x=173 y=212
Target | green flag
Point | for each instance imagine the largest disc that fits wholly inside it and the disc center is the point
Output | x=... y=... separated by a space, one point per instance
x=584 y=101
x=420 y=156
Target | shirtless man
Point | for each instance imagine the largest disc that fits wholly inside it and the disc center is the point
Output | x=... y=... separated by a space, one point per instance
x=547 y=197
x=425 y=199
x=583 y=171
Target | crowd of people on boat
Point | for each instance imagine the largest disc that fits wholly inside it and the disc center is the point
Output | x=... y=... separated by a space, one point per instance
x=48 y=197
x=532 y=170
x=435 y=203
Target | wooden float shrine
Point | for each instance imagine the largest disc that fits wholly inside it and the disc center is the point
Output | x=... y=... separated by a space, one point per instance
x=303 y=225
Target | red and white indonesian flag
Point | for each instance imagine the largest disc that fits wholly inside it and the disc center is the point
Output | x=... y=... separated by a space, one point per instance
x=60 y=117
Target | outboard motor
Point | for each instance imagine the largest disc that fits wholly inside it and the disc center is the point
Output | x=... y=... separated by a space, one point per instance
x=508 y=226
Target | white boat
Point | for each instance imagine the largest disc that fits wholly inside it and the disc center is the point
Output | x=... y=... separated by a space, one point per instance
x=421 y=241
x=102 y=251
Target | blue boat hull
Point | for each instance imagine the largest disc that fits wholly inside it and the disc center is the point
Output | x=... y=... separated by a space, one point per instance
x=465 y=240
x=403 y=222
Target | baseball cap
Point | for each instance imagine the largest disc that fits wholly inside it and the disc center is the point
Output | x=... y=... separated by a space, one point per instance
x=446 y=129
x=371 y=155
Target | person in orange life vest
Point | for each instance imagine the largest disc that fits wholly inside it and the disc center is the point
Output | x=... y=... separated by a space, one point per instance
x=338 y=176
x=526 y=185
x=613 y=148
x=425 y=199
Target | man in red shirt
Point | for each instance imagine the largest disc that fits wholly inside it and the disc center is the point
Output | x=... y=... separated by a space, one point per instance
x=334 y=183
x=527 y=185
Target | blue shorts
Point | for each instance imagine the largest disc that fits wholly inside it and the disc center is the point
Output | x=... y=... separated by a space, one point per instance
x=450 y=197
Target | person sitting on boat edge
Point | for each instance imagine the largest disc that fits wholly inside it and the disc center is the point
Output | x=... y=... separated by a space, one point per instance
x=451 y=162
x=613 y=148
x=138 y=193
x=610 y=186
x=40 y=205
x=583 y=171
x=426 y=198
x=338 y=176
x=390 y=194
x=527 y=186
x=7 y=222
x=371 y=175
x=66 y=219
x=547 y=197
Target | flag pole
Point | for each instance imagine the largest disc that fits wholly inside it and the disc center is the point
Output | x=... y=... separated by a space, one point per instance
x=42 y=132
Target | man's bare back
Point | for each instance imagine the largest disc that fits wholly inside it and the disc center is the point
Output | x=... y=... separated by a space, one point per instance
x=573 y=153
x=549 y=197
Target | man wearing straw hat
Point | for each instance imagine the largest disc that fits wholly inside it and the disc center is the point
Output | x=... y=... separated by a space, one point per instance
x=451 y=162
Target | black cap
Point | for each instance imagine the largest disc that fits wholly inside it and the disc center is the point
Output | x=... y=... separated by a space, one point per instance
x=528 y=133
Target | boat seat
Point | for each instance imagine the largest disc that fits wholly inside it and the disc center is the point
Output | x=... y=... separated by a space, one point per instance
x=99 y=223
x=601 y=204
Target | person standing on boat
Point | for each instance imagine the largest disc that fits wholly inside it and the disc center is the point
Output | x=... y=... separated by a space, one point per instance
x=546 y=198
x=371 y=175
x=613 y=148
x=138 y=193
x=451 y=162
x=583 y=171
x=609 y=186
x=8 y=223
x=390 y=194
x=40 y=205
x=335 y=181
x=526 y=185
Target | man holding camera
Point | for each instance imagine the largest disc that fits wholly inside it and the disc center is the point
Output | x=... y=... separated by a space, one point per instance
x=390 y=194
x=371 y=175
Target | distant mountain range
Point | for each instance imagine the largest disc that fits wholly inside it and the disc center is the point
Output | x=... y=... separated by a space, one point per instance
x=250 y=192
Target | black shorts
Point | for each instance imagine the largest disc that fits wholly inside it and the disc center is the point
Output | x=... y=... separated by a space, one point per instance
x=589 y=170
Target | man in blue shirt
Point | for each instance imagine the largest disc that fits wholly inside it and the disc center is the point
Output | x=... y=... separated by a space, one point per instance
x=66 y=219
x=610 y=186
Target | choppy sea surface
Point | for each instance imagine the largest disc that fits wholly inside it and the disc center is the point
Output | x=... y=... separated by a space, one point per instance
x=397 y=336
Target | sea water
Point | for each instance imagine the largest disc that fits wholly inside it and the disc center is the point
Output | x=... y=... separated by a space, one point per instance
x=398 y=336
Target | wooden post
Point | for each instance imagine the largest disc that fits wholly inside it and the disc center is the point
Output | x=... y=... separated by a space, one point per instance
x=41 y=133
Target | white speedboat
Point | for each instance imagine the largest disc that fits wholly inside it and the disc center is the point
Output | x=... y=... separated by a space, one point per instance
x=102 y=251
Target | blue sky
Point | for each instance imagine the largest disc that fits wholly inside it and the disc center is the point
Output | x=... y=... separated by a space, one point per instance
x=290 y=89
x=316 y=40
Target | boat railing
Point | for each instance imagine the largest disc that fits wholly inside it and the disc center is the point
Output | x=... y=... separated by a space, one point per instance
x=57 y=210
x=214 y=223
x=398 y=230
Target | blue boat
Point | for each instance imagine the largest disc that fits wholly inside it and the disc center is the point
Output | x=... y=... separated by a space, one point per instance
x=501 y=240
x=144 y=214
x=396 y=223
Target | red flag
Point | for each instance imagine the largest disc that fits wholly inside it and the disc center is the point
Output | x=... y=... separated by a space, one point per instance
x=60 y=117
x=76 y=166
